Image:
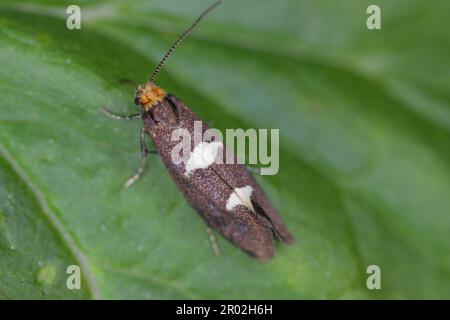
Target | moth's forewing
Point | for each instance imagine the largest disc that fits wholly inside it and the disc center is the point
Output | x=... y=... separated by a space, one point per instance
x=208 y=190
x=238 y=175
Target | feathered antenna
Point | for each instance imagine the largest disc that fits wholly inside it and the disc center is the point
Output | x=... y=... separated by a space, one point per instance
x=181 y=38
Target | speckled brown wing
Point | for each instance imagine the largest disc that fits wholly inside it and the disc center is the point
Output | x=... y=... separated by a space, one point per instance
x=237 y=175
x=208 y=189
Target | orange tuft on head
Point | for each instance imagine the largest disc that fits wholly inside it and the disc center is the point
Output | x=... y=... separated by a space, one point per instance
x=149 y=95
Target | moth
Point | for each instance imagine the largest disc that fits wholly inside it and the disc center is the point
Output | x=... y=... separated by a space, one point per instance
x=226 y=196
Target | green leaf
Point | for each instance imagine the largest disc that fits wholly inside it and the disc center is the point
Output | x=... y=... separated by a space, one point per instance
x=365 y=147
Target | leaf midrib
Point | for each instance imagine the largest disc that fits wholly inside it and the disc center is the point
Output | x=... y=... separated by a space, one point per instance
x=55 y=222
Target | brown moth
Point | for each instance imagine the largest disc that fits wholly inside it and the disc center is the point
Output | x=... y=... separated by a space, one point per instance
x=226 y=196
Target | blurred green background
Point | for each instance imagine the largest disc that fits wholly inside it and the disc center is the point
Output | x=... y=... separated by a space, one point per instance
x=364 y=123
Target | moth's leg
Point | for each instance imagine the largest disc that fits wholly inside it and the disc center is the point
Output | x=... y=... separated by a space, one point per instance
x=213 y=241
x=116 y=116
x=144 y=154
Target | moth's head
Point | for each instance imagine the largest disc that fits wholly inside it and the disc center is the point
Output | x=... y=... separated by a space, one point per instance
x=148 y=95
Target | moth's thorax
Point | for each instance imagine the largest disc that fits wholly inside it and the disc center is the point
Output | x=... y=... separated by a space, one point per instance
x=149 y=95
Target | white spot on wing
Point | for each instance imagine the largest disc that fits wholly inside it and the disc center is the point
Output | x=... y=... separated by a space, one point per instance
x=240 y=197
x=203 y=155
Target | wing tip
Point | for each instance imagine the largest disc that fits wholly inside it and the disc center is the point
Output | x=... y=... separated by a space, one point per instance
x=286 y=237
